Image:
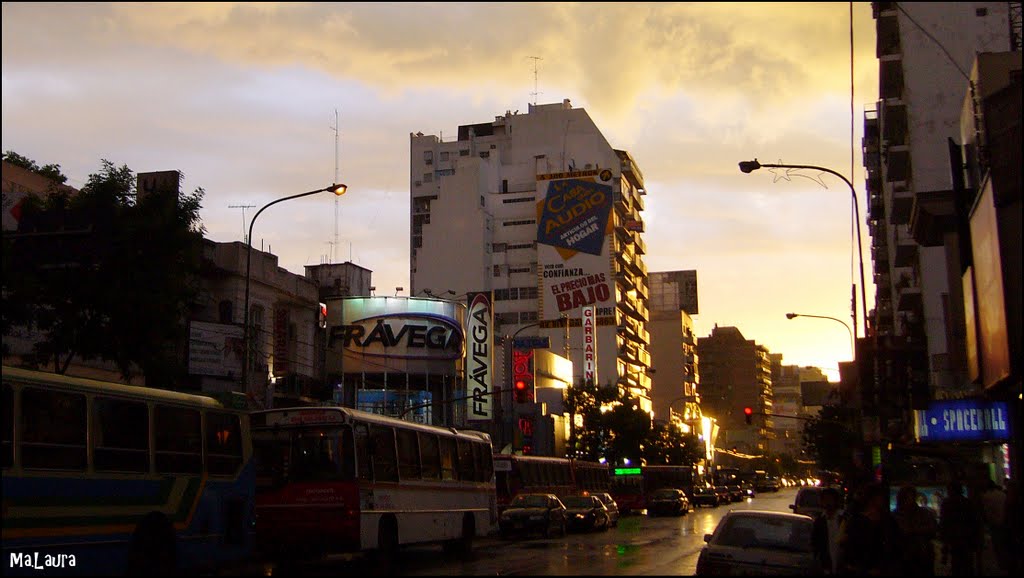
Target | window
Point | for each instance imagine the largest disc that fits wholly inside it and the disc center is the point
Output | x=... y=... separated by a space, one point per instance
x=408 y=455
x=430 y=454
x=512 y=270
x=527 y=292
x=517 y=200
x=428 y=177
x=485 y=154
x=449 y=458
x=466 y=460
x=428 y=157
x=444 y=156
x=54 y=430
x=362 y=443
x=121 y=435
x=527 y=316
x=483 y=202
x=179 y=440
x=506 y=318
x=523 y=246
x=444 y=172
x=482 y=458
x=225 y=310
x=513 y=293
x=223 y=443
x=8 y=426
x=382 y=453
x=520 y=222
x=464 y=153
x=498 y=247
x=497 y=270
x=500 y=294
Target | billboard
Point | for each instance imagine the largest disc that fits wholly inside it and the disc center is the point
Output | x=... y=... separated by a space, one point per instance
x=479 y=355
x=401 y=334
x=962 y=420
x=574 y=215
x=215 y=349
x=590 y=344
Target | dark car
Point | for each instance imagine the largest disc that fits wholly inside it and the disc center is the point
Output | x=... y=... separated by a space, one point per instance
x=769 y=484
x=586 y=513
x=753 y=543
x=527 y=513
x=611 y=506
x=748 y=490
x=724 y=495
x=705 y=496
x=667 y=502
x=735 y=492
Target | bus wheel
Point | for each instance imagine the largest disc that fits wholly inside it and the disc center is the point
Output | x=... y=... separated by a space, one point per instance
x=153 y=548
x=387 y=537
x=465 y=544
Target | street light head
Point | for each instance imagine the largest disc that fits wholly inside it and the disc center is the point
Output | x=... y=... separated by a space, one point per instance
x=337 y=189
x=749 y=166
x=792 y=315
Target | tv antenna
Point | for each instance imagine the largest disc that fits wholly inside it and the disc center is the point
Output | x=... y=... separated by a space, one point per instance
x=335 y=129
x=535 y=92
x=243 y=207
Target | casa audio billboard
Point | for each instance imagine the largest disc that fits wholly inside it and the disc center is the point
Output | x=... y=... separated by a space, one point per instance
x=573 y=226
x=400 y=334
x=479 y=355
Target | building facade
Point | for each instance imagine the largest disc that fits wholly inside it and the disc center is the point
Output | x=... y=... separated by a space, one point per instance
x=736 y=373
x=674 y=380
x=919 y=345
x=541 y=211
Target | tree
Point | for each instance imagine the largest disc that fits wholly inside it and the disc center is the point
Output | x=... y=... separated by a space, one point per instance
x=107 y=275
x=829 y=440
x=668 y=445
x=50 y=171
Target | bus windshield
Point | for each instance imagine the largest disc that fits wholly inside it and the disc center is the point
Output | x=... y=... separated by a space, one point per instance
x=303 y=455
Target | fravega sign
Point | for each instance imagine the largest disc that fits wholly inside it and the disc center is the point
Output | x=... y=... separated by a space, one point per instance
x=402 y=336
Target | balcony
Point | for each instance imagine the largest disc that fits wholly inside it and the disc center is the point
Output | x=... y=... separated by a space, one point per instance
x=880 y=255
x=909 y=299
x=890 y=77
x=639 y=245
x=630 y=170
x=895 y=125
x=906 y=254
x=623 y=202
x=887 y=31
x=902 y=205
x=933 y=215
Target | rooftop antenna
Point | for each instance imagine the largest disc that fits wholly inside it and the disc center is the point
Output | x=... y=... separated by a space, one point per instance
x=336 y=199
x=535 y=92
x=243 y=207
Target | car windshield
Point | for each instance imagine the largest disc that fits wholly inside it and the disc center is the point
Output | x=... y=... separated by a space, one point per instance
x=578 y=502
x=809 y=499
x=664 y=495
x=765 y=532
x=530 y=502
x=702 y=490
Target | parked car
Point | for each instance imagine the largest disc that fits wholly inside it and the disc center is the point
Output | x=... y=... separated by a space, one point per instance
x=735 y=492
x=705 y=495
x=769 y=484
x=667 y=501
x=543 y=513
x=751 y=542
x=724 y=495
x=748 y=490
x=611 y=506
x=808 y=500
x=586 y=513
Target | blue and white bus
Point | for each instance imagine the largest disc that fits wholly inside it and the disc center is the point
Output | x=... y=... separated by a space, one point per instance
x=104 y=478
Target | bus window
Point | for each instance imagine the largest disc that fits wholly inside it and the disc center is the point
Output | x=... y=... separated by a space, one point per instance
x=8 y=426
x=382 y=447
x=223 y=443
x=179 y=440
x=54 y=428
x=431 y=456
x=121 y=435
x=362 y=438
x=466 y=468
x=318 y=455
x=272 y=457
x=408 y=455
x=448 y=458
x=482 y=460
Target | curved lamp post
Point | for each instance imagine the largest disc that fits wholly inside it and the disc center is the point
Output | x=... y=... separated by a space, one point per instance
x=845 y=324
x=751 y=166
x=338 y=190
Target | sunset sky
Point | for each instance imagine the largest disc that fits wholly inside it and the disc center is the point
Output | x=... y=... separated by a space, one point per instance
x=242 y=98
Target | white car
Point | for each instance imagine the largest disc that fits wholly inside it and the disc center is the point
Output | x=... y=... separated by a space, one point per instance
x=756 y=543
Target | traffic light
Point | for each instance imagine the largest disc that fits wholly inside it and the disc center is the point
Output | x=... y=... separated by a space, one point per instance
x=522 y=391
x=748 y=414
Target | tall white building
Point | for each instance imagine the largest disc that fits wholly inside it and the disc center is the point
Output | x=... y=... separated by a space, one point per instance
x=540 y=209
x=925 y=52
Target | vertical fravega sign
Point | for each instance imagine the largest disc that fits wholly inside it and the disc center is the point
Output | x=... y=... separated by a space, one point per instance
x=590 y=344
x=479 y=355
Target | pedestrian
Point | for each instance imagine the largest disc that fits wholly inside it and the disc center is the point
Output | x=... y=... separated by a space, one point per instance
x=961 y=531
x=869 y=543
x=919 y=527
x=827 y=526
x=993 y=509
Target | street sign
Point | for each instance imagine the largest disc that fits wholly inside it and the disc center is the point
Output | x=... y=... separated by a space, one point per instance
x=532 y=342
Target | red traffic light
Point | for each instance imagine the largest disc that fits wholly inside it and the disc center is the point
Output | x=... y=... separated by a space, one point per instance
x=520 y=385
x=748 y=413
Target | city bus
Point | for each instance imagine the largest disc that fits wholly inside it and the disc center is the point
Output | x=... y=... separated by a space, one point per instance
x=632 y=484
x=104 y=478
x=340 y=480
x=516 y=474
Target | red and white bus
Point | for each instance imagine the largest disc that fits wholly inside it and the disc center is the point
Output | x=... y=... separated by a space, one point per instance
x=537 y=474
x=334 y=479
x=632 y=484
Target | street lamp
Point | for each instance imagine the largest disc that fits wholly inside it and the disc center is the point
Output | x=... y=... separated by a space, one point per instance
x=853 y=349
x=751 y=166
x=338 y=190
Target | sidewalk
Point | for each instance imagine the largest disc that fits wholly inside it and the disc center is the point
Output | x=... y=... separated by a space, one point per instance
x=989 y=564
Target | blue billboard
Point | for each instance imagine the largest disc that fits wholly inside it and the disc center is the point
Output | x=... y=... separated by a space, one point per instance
x=963 y=420
x=575 y=215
